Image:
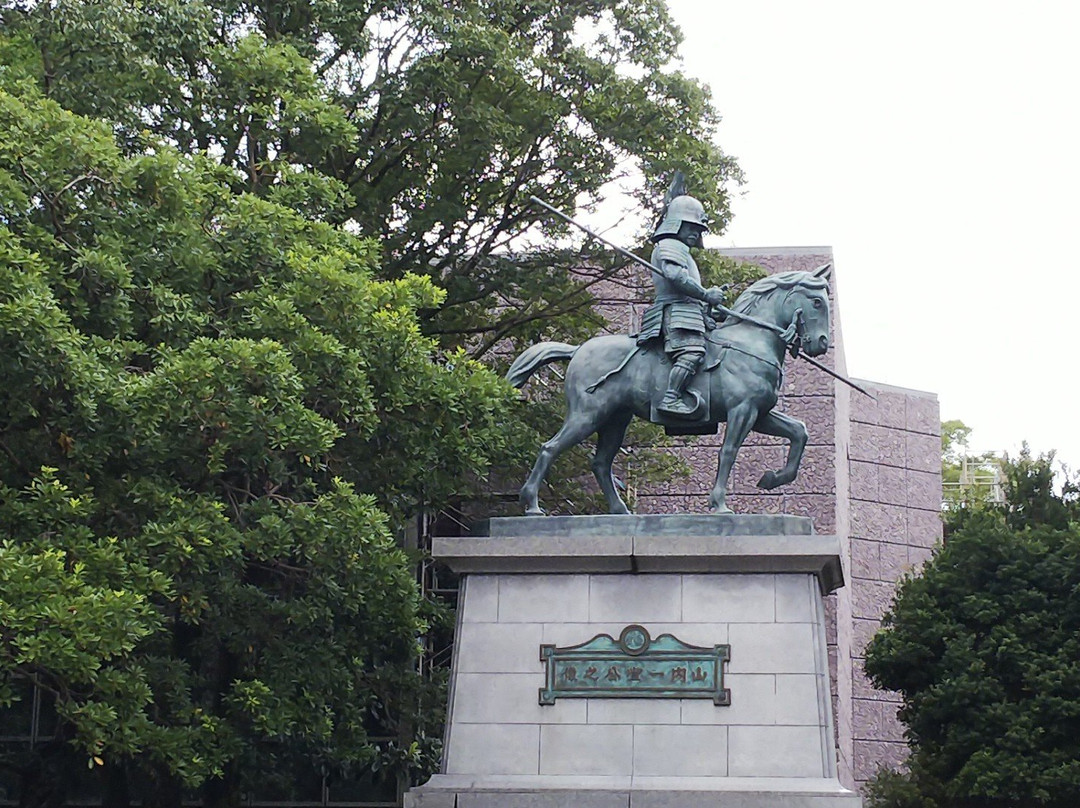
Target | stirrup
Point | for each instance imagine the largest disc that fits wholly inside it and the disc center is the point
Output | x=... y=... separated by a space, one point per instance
x=673 y=403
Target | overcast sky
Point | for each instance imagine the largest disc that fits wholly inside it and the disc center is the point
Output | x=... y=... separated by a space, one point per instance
x=934 y=146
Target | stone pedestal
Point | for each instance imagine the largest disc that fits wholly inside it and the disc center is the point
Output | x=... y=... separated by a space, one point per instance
x=753 y=583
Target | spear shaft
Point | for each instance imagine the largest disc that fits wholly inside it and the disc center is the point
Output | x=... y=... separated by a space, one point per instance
x=627 y=254
x=590 y=233
x=638 y=259
x=835 y=375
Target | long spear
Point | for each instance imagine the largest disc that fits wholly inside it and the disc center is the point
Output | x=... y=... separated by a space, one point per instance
x=835 y=375
x=726 y=311
x=627 y=254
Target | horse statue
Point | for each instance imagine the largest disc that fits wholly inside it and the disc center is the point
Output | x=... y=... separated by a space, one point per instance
x=610 y=379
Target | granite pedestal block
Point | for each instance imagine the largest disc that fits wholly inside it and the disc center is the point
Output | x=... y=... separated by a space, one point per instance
x=707 y=580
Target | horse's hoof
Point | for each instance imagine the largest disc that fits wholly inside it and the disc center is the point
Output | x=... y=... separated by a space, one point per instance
x=537 y=511
x=768 y=481
x=623 y=511
x=719 y=509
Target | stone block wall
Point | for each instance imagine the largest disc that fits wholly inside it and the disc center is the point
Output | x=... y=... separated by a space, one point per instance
x=894 y=469
x=871 y=475
x=776 y=728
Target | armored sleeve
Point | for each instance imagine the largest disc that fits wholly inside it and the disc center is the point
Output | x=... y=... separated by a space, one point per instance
x=678 y=270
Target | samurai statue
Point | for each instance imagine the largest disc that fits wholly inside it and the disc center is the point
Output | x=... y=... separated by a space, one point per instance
x=680 y=310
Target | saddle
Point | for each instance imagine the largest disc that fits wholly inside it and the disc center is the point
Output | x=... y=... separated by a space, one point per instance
x=698 y=390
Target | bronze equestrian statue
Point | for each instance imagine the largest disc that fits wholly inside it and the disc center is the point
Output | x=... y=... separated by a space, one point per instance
x=732 y=372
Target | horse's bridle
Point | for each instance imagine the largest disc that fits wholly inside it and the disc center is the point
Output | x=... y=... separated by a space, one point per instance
x=799 y=338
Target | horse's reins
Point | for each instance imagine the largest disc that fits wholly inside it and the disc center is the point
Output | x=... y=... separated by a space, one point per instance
x=777 y=329
x=729 y=346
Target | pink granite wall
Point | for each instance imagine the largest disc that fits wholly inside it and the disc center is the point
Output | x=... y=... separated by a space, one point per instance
x=895 y=500
x=871 y=474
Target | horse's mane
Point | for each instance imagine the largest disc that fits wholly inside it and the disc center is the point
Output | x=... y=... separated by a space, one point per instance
x=748 y=301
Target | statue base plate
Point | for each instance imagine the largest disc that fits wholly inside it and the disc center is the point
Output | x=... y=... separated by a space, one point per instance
x=448 y=791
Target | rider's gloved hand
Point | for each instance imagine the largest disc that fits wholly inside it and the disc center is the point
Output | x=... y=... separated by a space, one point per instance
x=716 y=295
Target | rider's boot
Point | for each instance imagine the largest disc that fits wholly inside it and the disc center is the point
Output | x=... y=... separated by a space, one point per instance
x=681 y=373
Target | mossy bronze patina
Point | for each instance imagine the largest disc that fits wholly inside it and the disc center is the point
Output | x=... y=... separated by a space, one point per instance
x=686 y=379
x=731 y=370
x=635 y=666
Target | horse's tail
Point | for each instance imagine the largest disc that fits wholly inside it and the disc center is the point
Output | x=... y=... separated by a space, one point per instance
x=536 y=357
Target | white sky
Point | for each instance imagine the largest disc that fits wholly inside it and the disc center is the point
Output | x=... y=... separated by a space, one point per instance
x=934 y=146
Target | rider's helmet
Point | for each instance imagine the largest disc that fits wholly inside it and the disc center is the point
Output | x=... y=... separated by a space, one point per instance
x=681 y=209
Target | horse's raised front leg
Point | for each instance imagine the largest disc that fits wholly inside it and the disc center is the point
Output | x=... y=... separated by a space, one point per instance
x=783 y=426
x=574 y=430
x=739 y=421
x=608 y=440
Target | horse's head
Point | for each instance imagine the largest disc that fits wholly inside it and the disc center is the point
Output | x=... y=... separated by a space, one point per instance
x=811 y=296
x=778 y=298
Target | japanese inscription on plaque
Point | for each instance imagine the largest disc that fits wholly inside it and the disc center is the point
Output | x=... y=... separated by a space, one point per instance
x=635 y=666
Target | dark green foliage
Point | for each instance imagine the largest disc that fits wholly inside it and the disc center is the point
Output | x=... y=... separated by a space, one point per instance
x=891 y=789
x=984 y=648
x=434 y=122
x=210 y=411
x=221 y=395
x=1030 y=494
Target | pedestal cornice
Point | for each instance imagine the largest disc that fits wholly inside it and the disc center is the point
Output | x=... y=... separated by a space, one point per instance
x=730 y=543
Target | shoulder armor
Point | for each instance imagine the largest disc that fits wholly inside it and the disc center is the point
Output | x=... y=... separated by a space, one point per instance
x=671 y=251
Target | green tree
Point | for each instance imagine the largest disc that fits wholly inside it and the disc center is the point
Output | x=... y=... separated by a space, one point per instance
x=983 y=647
x=212 y=416
x=1037 y=494
x=230 y=383
x=439 y=120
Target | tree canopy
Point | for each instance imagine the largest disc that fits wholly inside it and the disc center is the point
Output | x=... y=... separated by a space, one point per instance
x=984 y=648
x=211 y=410
x=249 y=254
x=437 y=120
